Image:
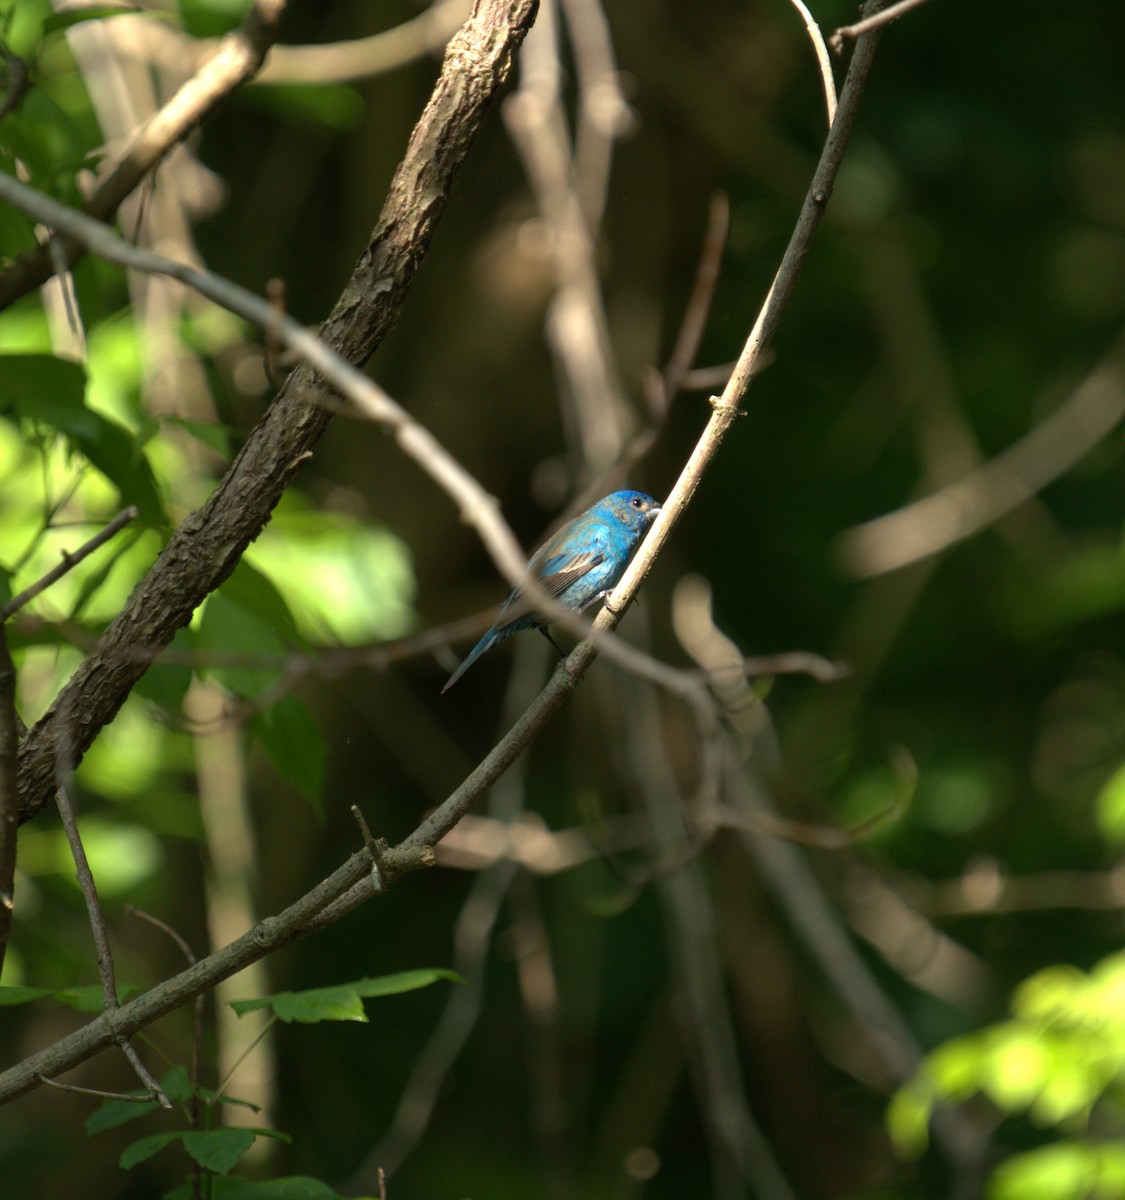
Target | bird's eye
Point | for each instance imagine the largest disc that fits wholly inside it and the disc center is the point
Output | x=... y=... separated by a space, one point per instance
x=638 y=502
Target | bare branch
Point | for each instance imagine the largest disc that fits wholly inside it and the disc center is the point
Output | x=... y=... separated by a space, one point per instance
x=102 y=951
x=823 y=61
x=9 y=794
x=209 y=543
x=846 y=33
x=333 y=62
x=954 y=513
x=239 y=55
x=69 y=562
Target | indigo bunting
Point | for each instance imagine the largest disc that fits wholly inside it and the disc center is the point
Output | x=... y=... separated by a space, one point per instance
x=578 y=566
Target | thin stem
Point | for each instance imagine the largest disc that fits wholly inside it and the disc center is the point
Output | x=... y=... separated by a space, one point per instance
x=69 y=562
x=9 y=794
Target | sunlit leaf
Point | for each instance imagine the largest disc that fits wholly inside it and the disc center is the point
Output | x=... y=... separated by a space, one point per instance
x=344 y=580
x=1109 y=807
x=51 y=391
x=908 y=1120
x=1064 y=1171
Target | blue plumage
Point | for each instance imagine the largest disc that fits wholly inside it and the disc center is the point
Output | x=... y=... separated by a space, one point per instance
x=577 y=566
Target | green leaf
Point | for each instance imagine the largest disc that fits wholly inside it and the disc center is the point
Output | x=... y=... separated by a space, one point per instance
x=245 y=655
x=113 y=1113
x=212 y=18
x=344 y=1001
x=258 y=594
x=211 y=434
x=218 y=1149
x=908 y=1119
x=141 y=1151
x=165 y=683
x=325 y=105
x=48 y=141
x=176 y=1085
x=52 y=391
x=403 y=981
x=295 y=1187
x=1110 y=807
x=84 y=999
x=341 y=1003
x=89 y=999
x=11 y=994
x=292 y=1187
x=93 y=12
x=294 y=744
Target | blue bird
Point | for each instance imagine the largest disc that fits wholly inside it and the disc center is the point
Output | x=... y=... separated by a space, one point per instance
x=578 y=566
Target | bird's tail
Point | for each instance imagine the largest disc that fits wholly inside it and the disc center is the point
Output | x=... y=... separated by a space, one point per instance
x=486 y=643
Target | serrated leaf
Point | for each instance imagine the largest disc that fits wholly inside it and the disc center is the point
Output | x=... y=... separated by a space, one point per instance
x=292 y=740
x=343 y=1001
x=218 y=1149
x=142 y=1150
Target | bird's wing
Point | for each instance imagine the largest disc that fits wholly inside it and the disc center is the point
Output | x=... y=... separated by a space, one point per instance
x=572 y=553
x=563 y=570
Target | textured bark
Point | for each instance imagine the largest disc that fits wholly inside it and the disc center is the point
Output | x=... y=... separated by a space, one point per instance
x=206 y=547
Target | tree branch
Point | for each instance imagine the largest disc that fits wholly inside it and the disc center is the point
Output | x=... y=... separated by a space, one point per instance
x=352 y=882
x=238 y=56
x=206 y=547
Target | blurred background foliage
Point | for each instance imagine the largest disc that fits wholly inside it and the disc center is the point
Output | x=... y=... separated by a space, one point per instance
x=968 y=278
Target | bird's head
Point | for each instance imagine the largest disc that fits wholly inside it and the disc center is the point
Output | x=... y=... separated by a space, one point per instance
x=634 y=510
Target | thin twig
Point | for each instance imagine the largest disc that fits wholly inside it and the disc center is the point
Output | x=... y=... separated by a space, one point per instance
x=132 y=1097
x=101 y=940
x=350 y=884
x=157 y=44
x=9 y=793
x=698 y=306
x=827 y=79
x=205 y=548
x=197 y=1018
x=954 y=513
x=70 y=561
x=239 y=55
x=846 y=33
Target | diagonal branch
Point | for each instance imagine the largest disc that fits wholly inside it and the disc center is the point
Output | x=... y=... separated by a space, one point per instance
x=351 y=884
x=206 y=547
x=239 y=55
